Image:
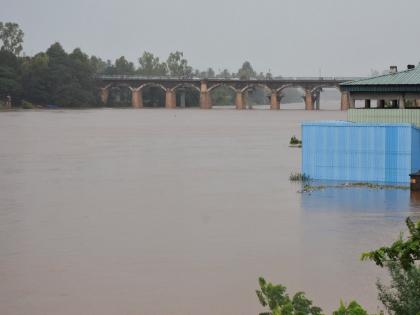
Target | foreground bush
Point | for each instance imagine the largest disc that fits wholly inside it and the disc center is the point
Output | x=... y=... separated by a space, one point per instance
x=352 y=309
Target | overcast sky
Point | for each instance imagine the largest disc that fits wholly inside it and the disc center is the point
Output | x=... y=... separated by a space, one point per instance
x=288 y=37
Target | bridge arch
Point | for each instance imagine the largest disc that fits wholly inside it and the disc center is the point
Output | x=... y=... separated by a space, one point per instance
x=119 y=95
x=257 y=94
x=223 y=95
x=186 y=86
x=186 y=95
x=218 y=85
x=152 y=94
x=152 y=84
x=256 y=85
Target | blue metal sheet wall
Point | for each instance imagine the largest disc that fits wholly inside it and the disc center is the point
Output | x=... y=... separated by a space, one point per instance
x=360 y=152
x=415 y=154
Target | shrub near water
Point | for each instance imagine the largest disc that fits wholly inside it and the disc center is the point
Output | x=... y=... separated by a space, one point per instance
x=299 y=177
x=27 y=105
x=295 y=141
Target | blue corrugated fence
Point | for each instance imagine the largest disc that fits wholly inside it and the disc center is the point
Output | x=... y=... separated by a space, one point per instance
x=340 y=150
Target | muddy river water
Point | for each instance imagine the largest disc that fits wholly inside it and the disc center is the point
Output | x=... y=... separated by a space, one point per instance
x=154 y=211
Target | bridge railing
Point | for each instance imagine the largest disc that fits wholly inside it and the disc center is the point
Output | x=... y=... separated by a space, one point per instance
x=192 y=78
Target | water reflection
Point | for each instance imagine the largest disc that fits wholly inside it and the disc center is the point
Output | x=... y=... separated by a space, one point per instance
x=362 y=200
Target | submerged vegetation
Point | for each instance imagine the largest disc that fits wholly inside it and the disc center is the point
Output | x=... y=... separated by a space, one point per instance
x=401 y=297
x=299 y=177
x=307 y=188
x=295 y=142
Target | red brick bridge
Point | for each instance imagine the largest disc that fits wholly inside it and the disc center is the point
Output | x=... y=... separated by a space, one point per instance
x=312 y=87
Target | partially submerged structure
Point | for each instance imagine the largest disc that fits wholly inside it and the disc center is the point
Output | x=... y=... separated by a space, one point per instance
x=340 y=150
x=395 y=90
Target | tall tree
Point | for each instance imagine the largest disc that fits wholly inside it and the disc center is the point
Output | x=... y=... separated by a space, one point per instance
x=10 y=84
x=35 y=78
x=12 y=37
x=178 y=65
x=224 y=74
x=123 y=66
x=98 y=65
x=246 y=71
x=151 y=65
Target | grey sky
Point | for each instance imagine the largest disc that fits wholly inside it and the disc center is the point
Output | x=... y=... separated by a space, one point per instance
x=290 y=37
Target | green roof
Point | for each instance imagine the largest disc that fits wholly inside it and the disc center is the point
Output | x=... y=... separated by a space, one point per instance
x=407 y=77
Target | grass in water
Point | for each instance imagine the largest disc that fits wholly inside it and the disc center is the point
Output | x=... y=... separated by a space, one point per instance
x=310 y=188
x=299 y=177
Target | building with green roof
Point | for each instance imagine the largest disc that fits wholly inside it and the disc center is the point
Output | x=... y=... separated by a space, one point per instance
x=394 y=90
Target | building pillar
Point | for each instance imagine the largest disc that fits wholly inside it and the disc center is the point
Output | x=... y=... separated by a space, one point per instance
x=367 y=103
x=170 y=99
x=182 y=99
x=345 y=100
x=239 y=100
x=104 y=94
x=136 y=98
x=309 y=100
x=401 y=102
x=205 y=100
x=274 y=102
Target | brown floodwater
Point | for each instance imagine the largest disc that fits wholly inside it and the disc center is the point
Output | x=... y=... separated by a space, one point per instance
x=154 y=211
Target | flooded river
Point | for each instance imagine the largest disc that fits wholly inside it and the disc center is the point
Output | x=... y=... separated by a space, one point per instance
x=122 y=211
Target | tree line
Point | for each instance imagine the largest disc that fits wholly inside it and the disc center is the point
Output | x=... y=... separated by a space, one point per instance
x=56 y=77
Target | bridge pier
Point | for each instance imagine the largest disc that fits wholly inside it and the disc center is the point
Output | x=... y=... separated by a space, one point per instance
x=170 y=99
x=309 y=100
x=239 y=100
x=104 y=94
x=317 y=100
x=136 y=98
x=205 y=99
x=275 y=104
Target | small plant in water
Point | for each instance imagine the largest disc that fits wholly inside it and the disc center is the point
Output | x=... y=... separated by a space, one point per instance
x=299 y=177
x=295 y=141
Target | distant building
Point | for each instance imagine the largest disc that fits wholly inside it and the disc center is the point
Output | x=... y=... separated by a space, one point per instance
x=393 y=90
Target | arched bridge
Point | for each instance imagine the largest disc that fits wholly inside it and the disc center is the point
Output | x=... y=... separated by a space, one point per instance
x=312 y=87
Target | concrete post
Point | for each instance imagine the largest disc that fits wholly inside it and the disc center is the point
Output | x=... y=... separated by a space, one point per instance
x=205 y=101
x=170 y=100
x=352 y=102
x=309 y=100
x=104 y=94
x=318 y=100
x=367 y=103
x=345 y=100
x=239 y=100
x=401 y=102
x=182 y=99
x=274 y=102
x=136 y=98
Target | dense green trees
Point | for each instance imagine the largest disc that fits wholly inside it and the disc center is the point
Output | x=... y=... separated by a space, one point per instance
x=56 y=77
